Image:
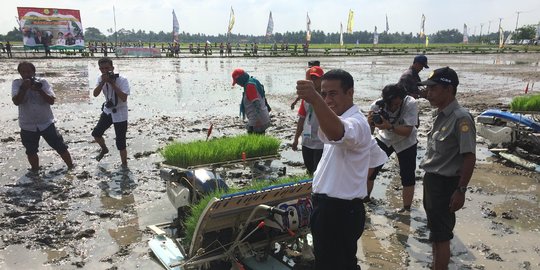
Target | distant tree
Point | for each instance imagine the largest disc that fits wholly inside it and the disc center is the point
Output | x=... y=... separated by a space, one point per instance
x=525 y=32
x=13 y=35
x=299 y=37
x=446 y=36
x=93 y=34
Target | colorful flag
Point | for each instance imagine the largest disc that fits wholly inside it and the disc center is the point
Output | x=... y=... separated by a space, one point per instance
x=350 y=22
x=270 y=26
x=175 y=27
x=422 y=24
x=375 y=37
x=465 y=34
x=427 y=41
x=231 y=21
x=209 y=132
x=341 y=34
x=308 y=28
x=387 y=27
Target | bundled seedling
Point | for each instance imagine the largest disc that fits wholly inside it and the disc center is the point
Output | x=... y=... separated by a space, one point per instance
x=218 y=150
x=525 y=103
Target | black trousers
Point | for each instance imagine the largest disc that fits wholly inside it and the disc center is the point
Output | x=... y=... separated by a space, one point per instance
x=120 y=129
x=336 y=226
x=311 y=158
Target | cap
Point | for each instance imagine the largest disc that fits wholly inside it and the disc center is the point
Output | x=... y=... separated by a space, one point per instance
x=422 y=59
x=316 y=71
x=236 y=74
x=446 y=76
x=314 y=63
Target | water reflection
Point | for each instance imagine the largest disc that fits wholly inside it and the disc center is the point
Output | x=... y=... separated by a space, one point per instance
x=178 y=81
x=165 y=87
x=117 y=195
x=69 y=80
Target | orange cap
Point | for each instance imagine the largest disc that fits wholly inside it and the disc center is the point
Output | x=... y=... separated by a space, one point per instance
x=236 y=74
x=316 y=71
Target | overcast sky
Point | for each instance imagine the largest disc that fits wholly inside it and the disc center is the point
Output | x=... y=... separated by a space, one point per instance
x=212 y=16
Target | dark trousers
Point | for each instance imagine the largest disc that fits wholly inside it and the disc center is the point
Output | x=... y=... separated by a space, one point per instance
x=407 y=163
x=120 y=129
x=438 y=190
x=311 y=158
x=30 y=140
x=336 y=226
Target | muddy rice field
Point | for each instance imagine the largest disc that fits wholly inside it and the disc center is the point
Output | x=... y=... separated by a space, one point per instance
x=95 y=216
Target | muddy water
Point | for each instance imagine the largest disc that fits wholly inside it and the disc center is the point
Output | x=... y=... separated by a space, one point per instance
x=95 y=216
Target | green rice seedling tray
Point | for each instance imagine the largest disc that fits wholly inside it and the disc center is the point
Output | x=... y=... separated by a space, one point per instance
x=220 y=151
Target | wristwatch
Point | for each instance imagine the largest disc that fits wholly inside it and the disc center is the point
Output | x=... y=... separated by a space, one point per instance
x=462 y=189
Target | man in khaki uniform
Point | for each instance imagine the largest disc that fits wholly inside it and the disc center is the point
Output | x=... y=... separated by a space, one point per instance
x=448 y=163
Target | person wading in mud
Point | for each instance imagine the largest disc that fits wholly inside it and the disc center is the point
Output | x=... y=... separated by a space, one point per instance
x=114 y=111
x=410 y=78
x=308 y=126
x=395 y=116
x=339 y=183
x=449 y=161
x=253 y=104
x=34 y=97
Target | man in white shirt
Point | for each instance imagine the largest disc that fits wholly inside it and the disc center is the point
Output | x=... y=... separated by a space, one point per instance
x=339 y=183
x=114 y=110
x=34 y=97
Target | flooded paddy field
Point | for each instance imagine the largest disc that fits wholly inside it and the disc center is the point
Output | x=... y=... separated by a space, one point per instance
x=95 y=216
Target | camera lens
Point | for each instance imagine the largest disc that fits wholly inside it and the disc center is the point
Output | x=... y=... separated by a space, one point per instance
x=377 y=119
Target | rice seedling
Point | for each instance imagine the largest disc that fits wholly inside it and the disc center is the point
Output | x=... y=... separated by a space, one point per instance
x=196 y=209
x=525 y=103
x=224 y=149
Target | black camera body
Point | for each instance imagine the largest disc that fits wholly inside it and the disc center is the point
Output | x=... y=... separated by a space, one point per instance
x=112 y=75
x=36 y=82
x=380 y=113
x=109 y=104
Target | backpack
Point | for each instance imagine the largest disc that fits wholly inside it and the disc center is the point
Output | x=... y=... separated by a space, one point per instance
x=260 y=90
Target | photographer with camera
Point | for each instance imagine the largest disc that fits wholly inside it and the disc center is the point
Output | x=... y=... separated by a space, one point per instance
x=395 y=116
x=114 y=110
x=34 y=97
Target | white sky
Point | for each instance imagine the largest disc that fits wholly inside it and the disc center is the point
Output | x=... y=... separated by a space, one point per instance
x=212 y=16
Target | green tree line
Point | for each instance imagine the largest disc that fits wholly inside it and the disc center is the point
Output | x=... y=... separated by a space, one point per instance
x=317 y=37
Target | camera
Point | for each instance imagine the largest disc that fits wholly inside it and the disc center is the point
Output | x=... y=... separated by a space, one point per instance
x=109 y=104
x=379 y=112
x=36 y=82
x=112 y=75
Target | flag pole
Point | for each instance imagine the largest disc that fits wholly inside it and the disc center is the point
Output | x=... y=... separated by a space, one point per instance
x=115 y=32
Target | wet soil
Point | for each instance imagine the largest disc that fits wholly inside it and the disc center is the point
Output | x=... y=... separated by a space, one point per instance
x=95 y=216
